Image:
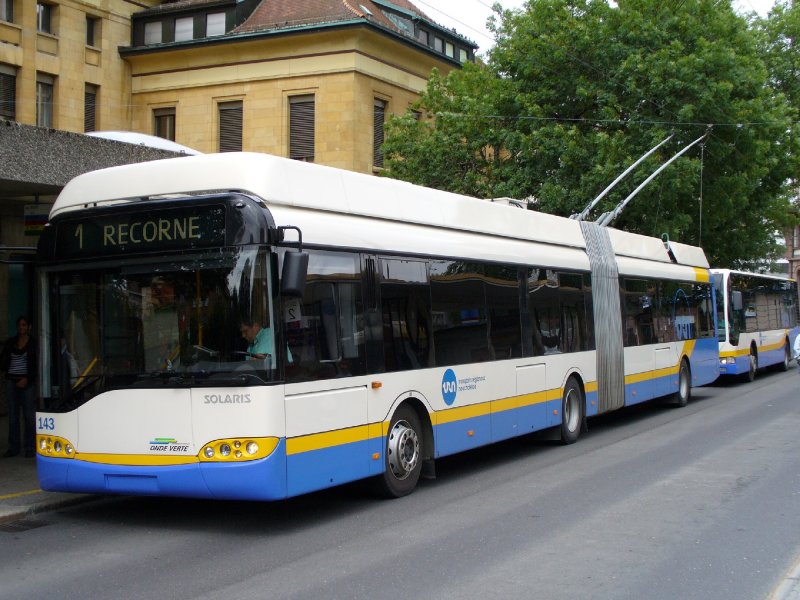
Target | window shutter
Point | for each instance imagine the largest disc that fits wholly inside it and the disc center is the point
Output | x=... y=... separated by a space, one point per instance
x=377 y=135
x=301 y=128
x=89 y=105
x=230 y=127
x=8 y=88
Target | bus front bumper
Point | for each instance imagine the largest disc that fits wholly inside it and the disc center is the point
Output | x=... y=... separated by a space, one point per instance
x=262 y=479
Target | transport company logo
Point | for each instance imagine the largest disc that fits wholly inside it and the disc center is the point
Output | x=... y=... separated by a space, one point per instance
x=168 y=445
x=449 y=387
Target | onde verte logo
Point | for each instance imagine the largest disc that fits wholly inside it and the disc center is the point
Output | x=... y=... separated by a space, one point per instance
x=449 y=387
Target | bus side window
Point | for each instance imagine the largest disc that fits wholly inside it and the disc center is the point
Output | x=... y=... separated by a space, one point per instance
x=325 y=331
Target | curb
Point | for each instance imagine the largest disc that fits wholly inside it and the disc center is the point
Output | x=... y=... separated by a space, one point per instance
x=17 y=513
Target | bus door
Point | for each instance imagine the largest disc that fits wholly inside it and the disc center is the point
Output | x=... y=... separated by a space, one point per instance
x=326 y=393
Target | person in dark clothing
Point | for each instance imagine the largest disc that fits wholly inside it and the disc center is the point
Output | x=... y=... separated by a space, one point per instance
x=18 y=361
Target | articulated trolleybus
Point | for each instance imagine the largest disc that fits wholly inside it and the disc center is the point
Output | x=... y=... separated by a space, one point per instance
x=245 y=326
x=757 y=321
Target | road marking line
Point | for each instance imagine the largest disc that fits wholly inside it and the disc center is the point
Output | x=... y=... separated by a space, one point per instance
x=18 y=494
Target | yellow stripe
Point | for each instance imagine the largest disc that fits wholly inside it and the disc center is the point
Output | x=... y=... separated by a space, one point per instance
x=769 y=347
x=328 y=439
x=746 y=351
x=18 y=494
x=648 y=375
x=734 y=353
x=703 y=275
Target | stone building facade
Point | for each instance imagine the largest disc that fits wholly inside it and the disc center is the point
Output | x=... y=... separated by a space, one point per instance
x=310 y=79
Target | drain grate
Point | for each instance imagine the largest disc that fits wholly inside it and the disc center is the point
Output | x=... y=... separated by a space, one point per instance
x=21 y=525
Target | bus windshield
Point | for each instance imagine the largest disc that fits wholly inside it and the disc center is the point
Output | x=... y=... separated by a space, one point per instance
x=169 y=320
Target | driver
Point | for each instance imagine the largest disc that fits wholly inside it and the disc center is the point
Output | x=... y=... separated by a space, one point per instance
x=260 y=339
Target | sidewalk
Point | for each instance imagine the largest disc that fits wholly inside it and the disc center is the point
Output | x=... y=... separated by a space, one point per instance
x=20 y=496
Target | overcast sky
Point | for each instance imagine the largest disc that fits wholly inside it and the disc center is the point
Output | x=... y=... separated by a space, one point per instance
x=468 y=17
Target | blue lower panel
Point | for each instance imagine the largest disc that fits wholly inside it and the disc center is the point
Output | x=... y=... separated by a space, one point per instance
x=644 y=390
x=263 y=479
x=519 y=421
x=770 y=357
x=455 y=437
x=704 y=362
x=327 y=467
x=591 y=404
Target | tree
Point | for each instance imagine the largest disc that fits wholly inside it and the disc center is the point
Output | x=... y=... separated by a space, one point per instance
x=576 y=90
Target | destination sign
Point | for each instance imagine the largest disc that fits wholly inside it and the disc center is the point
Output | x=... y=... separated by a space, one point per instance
x=167 y=229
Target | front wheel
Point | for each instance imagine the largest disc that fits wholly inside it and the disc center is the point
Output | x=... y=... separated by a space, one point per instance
x=752 y=368
x=404 y=451
x=684 y=392
x=787 y=357
x=571 y=412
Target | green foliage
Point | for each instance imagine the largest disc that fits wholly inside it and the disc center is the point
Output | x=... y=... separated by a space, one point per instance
x=576 y=90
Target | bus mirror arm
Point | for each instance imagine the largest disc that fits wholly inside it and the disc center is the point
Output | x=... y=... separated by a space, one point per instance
x=295 y=267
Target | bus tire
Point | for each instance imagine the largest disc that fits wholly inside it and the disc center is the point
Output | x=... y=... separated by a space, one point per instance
x=572 y=407
x=403 y=454
x=787 y=357
x=752 y=367
x=684 y=393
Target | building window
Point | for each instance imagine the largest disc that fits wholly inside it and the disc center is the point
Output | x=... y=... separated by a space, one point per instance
x=92 y=31
x=463 y=55
x=230 y=126
x=153 y=32
x=8 y=92
x=44 y=99
x=184 y=29
x=215 y=24
x=422 y=36
x=449 y=50
x=164 y=123
x=90 y=108
x=44 y=17
x=7 y=10
x=301 y=127
x=379 y=115
x=438 y=44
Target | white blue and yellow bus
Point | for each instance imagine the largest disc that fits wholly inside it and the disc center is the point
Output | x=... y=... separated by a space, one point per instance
x=757 y=321
x=404 y=324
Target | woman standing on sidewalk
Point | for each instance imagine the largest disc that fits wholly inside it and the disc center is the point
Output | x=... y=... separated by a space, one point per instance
x=18 y=362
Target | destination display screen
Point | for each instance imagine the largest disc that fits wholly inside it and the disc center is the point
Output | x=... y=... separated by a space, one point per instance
x=158 y=230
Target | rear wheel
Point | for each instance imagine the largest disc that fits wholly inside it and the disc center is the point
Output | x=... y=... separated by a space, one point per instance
x=787 y=357
x=571 y=412
x=404 y=450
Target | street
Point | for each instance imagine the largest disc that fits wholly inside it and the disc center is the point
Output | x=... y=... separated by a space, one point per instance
x=653 y=502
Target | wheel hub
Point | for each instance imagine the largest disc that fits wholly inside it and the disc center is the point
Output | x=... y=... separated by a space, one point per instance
x=403 y=449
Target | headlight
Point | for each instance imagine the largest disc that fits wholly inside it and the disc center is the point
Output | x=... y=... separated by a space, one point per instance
x=54 y=447
x=238 y=450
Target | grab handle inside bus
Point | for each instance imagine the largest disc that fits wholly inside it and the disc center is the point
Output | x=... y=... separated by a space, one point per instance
x=295 y=267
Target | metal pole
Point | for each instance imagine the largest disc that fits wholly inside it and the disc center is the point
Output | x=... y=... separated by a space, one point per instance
x=593 y=203
x=606 y=219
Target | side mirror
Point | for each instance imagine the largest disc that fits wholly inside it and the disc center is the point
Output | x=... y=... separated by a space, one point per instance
x=736 y=299
x=293 y=276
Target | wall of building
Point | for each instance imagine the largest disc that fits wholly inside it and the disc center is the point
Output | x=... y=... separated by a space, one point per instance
x=65 y=55
x=344 y=69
